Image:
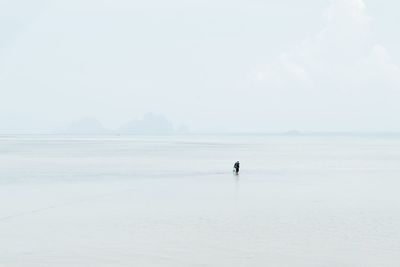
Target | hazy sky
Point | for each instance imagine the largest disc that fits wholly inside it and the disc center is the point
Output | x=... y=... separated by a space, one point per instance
x=216 y=65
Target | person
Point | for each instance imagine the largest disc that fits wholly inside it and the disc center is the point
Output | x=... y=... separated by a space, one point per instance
x=236 y=167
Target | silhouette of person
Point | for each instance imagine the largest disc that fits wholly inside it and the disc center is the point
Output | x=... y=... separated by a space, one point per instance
x=236 y=166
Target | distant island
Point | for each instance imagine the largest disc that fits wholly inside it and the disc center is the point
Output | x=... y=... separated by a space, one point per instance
x=85 y=126
x=150 y=123
x=292 y=132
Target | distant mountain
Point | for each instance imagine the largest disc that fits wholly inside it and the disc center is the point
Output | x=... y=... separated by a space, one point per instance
x=150 y=124
x=85 y=126
x=183 y=129
x=292 y=132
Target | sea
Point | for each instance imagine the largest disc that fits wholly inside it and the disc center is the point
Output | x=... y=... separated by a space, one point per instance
x=299 y=200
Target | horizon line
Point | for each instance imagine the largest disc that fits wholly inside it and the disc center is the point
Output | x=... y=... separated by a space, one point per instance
x=284 y=133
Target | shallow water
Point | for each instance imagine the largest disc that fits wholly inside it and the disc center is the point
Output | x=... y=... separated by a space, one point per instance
x=174 y=201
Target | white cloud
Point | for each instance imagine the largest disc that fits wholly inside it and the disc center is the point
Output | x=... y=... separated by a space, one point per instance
x=341 y=56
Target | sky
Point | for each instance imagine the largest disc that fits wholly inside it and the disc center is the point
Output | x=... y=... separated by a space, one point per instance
x=212 y=65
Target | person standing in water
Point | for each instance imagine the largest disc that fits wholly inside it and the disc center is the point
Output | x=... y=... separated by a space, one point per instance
x=236 y=167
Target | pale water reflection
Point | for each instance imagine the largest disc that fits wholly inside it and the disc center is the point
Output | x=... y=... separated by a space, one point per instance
x=174 y=201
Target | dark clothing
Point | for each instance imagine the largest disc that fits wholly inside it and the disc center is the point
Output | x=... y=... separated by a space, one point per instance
x=236 y=167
